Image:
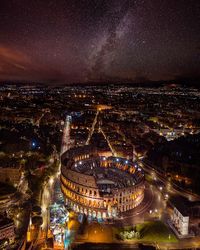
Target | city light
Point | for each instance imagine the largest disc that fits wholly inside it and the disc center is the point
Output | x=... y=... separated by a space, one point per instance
x=44 y=208
x=166 y=196
x=51 y=180
x=108 y=171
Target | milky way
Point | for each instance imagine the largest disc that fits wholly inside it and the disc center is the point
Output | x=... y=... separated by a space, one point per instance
x=99 y=40
x=108 y=48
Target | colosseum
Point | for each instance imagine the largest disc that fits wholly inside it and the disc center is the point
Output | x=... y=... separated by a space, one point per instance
x=98 y=186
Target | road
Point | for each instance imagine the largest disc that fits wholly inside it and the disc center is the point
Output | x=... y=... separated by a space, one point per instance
x=108 y=142
x=153 y=206
x=46 y=200
x=92 y=128
x=173 y=188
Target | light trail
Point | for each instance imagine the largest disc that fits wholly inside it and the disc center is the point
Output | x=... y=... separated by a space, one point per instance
x=174 y=188
x=66 y=142
x=92 y=128
x=37 y=122
x=101 y=130
x=109 y=144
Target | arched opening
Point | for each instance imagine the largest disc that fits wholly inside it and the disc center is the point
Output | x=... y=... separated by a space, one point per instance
x=85 y=211
x=94 y=214
x=89 y=213
x=99 y=217
x=81 y=210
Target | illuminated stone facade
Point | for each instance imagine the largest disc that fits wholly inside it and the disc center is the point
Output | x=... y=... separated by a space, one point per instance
x=98 y=186
x=181 y=221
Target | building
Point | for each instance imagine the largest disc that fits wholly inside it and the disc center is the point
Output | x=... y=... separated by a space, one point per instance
x=10 y=175
x=10 y=171
x=180 y=219
x=98 y=186
x=185 y=219
x=7 y=229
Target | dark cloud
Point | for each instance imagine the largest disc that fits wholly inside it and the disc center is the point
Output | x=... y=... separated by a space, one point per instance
x=11 y=59
x=15 y=64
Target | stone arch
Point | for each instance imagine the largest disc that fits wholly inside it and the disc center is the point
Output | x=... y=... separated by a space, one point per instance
x=81 y=210
x=90 y=212
x=99 y=215
x=94 y=214
x=85 y=211
x=73 y=206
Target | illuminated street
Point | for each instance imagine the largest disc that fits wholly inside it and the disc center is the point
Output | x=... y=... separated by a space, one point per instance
x=99 y=125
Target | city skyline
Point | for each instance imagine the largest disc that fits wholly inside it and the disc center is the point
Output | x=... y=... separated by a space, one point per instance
x=112 y=165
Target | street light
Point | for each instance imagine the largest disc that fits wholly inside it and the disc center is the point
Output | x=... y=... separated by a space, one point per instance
x=43 y=208
x=51 y=181
x=166 y=196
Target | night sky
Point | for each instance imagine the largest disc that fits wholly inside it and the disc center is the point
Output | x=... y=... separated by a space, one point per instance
x=99 y=40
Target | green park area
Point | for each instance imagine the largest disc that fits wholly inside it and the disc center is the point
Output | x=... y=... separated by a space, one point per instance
x=149 y=231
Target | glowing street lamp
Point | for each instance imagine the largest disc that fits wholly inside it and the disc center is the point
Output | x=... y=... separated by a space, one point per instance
x=166 y=196
x=51 y=181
